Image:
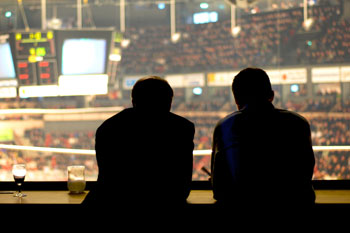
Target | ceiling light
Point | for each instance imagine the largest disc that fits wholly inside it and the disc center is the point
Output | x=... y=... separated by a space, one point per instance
x=235 y=31
x=175 y=37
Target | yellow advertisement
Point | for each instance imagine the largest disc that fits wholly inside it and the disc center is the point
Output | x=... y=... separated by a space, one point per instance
x=6 y=135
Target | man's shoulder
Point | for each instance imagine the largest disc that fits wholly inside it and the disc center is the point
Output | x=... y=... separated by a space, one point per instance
x=229 y=119
x=291 y=116
x=119 y=118
x=129 y=115
x=238 y=117
x=181 y=120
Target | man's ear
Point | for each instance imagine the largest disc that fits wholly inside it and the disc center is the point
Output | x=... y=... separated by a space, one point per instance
x=239 y=106
x=272 y=96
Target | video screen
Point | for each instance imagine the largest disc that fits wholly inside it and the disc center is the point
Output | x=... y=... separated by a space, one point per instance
x=7 y=68
x=84 y=56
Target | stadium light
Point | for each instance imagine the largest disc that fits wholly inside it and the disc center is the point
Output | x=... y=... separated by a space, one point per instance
x=161 y=6
x=54 y=23
x=235 y=30
x=125 y=43
x=115 y=57
x=204 y=5
x=175 y=36
x=307 y=24
x=8 y=14
x=294 y=88
x=197 y=91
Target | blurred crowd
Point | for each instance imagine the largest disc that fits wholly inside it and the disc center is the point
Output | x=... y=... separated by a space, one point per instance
x=45 y=166
x=266 y=39
x=326 y=131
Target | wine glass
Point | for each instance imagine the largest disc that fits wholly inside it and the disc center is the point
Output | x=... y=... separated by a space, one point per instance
x=19 y=173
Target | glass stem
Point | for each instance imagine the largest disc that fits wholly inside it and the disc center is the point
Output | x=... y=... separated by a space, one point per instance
x=19 y=188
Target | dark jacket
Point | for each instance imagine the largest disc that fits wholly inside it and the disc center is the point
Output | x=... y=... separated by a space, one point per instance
x=143 y=158
x=263 y=156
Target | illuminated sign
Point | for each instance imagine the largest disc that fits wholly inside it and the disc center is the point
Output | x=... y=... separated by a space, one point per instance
x=176 y=80
x=6 y=135
x=293 y=76
x=345 y=73
x=325 y=75
x=8 y=92
x=287 y=76
x=129 y=82
x=186 y=80
x=83 y=84
x=38 y=91
x=221 y=78
x=69 y=86
x=275 y=76
x=194 y=80
x=8 y=83
x=205 y=17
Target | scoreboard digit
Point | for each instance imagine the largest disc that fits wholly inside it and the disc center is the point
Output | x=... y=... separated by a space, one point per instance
x=47 y=72
x=26 y=73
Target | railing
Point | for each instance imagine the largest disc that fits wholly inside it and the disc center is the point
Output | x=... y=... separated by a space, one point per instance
x=55 y=170
x=92 y=152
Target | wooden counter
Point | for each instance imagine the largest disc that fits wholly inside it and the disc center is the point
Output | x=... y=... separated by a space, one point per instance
x=43 y=197
x=196 y=197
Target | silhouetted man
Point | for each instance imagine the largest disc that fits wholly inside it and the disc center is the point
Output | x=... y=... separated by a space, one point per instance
x=262 y=156
x=144 y=153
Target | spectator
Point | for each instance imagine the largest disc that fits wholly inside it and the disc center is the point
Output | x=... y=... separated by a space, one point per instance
x=261 y=141
x=145 y=140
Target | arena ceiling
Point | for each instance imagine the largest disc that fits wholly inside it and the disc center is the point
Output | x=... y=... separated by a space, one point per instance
x=96 y=2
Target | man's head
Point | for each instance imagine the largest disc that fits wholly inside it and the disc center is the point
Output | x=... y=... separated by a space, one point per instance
x=152 y=94
x=252 y=85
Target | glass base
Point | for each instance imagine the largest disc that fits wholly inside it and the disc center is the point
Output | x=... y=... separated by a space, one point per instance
x=20 y=195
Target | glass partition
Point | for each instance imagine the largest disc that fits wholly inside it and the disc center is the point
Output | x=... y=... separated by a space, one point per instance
x=46 y=164
x=305 y=50
x=50 y=164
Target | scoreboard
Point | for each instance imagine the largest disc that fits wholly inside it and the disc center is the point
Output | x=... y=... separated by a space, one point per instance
x=36 y=58
x=41 y=63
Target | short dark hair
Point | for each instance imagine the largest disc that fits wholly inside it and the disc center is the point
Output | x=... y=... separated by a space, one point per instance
x=152 y=92
x=251 y=85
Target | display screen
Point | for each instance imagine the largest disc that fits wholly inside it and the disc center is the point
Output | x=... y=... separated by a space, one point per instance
x=205 y=17
x=7 y=68
x=83 y=56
